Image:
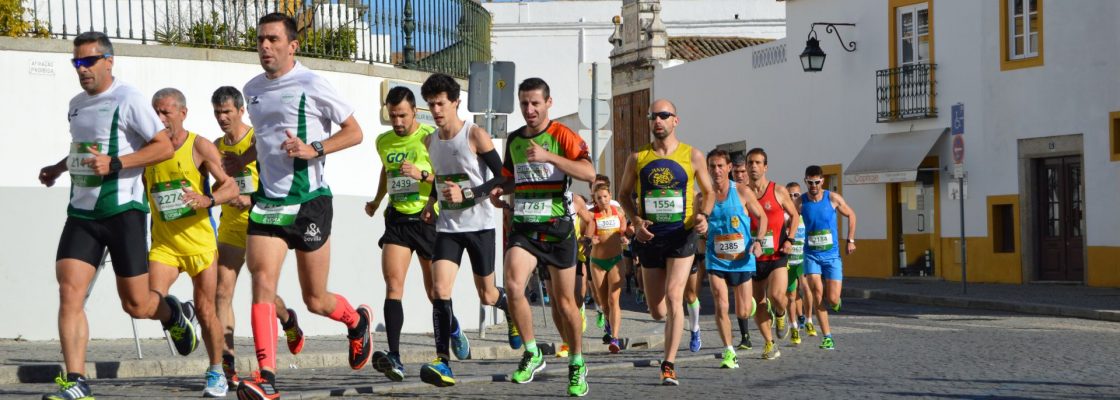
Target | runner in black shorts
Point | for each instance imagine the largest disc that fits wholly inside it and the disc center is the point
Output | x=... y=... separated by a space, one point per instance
x=541 y=159
x=107 y=206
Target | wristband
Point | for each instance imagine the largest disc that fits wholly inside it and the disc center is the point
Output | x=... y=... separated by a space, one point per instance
x=212 y=201
x=114 y=164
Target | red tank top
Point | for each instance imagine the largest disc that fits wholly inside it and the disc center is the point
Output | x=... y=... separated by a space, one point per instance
x=775 y=218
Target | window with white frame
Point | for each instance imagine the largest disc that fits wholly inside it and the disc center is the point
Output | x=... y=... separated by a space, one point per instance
x=913 y=34
x=1023 y=27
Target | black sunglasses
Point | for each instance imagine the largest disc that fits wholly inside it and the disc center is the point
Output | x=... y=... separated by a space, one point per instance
x=88 y=61
x=661 y=115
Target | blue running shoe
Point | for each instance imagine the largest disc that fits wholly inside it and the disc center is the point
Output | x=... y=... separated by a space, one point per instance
x=460 y=345
x=694 y=343
x=437 y=373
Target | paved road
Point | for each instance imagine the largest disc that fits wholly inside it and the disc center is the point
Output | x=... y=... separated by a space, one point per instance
x=884 y=350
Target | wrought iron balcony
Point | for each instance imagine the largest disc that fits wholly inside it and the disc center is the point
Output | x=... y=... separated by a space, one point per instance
x=430 y=35
x=906 y=92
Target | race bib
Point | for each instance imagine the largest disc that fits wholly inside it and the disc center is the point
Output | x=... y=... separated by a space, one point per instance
x=608 y=224
x=279 y=215
x=402 y=187
x=819 y=240
x=797 y=249
x=768 y=244
x=81 y=174
x=730 y=246
x=168 y=197
x=661 y=206
x=532 y=209
x=245 y=182
x=533 y=172
x=463 y=181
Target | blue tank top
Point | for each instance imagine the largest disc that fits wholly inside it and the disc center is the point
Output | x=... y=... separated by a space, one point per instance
x=728 y=236
x=820 y=226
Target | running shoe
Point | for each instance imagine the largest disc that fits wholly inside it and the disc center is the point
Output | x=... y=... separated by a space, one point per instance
x=801 y=320
x=546 y=300
x=181 y=330
x=216 y=385
x=781 y=326
x=361 y=344
x=514 y=335
x=668 y=375
x=827 y=344
x=563 y=352
x=437 y=373
x=745 y=342
x=694 y=342
x=771 y=351
x=76 y=390
x=530 y=364
x=730 y=359
x=836 y=307
x=257 y=389
x=388 y=364
x=794 y=337
x=614 y=347
x=460 y=345
x=601 y=320
x=810 y=329
x=607 y=338
x=295 y=334
x=607 y=328
x=577 y=380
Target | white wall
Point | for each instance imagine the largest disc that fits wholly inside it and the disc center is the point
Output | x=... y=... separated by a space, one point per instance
x=825 y=118
x=38 y=136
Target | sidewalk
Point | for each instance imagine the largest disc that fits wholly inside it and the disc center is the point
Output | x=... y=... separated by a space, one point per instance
x=41 y=361
x=1046 y=299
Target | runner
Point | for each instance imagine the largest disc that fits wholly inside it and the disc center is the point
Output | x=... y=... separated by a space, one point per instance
x=541 y=159
x=804 y=297
x=580 y=219
x=796 y=275
x=692 y=291
x=664 y=174
x=406 y=175
x=183 y=237
x=240 y=162
x=607 y=241
x=114 y=134
x=731 y=249
x=739 y=176
x=600 y=318
x=770 y=279
x=466 y=166
x=293 y=207
x=822 y=255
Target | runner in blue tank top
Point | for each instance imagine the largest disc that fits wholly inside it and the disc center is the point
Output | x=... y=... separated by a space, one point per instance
x=731 y=250
x=822 y=255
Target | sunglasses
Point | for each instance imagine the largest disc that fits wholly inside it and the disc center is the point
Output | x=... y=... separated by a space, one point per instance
x=814 y=181
x=88 y=61
x=661 y=115
x=794 y=195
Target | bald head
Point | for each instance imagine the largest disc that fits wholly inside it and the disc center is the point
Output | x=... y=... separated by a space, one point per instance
x=663 y=105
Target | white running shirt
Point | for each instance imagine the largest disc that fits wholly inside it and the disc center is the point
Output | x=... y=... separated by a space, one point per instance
x=305 y=104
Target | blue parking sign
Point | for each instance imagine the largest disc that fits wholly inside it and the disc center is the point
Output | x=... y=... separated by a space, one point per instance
x=958 y=118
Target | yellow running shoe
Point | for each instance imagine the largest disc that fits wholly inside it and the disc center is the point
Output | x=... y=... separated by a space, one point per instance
x=810 y=329
x=795 y=337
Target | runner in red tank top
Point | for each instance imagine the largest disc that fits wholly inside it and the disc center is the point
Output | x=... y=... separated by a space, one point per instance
x=771 y=276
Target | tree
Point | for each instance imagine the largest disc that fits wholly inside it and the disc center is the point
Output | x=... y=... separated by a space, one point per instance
x=12 y=22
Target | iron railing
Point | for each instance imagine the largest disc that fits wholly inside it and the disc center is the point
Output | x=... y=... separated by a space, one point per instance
x=430 y=35
x=906 y=92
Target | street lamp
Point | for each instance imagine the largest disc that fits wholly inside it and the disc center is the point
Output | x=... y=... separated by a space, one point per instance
x=812 y=58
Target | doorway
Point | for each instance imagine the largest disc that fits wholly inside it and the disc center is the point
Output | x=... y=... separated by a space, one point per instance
x=1058 y=193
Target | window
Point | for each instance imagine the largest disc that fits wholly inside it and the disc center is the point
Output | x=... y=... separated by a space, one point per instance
x=913 y=34
x=1114 y=136
x=1021 y=33
x=1003 y=224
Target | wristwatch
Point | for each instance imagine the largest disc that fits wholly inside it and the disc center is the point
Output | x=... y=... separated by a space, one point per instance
x=468 y=194
x=851 y=240
x=318 y=148
x=424 y=176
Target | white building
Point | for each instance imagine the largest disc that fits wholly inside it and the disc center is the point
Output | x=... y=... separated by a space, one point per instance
x=1038 y=82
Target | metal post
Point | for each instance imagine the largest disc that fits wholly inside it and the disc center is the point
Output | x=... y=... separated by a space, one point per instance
x=964 y=246
x=136 y=337
x=594 y=120
x=489 y=128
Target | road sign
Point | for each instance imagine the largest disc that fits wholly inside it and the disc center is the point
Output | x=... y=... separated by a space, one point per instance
x=958 y=149
x=499 y=127
x=502 y=82
x=603 y=137
x=602 y=113
x=601 y=84
x=958 y=119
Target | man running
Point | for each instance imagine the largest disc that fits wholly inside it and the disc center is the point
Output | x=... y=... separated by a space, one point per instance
x=770 y=279
x=239 y=161
x=292 y=110
x=406 y=175
x=731 y=249
x=822 y=254
x=183 y=237
x=467 y=167
x=663 y=175
x=794 y=300
x=541 y=159
x=114 y=134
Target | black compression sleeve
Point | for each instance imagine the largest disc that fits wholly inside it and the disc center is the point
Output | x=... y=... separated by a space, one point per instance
x=494 y=162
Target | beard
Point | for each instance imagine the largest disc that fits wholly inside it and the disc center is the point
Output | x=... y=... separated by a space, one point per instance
x=660 y=135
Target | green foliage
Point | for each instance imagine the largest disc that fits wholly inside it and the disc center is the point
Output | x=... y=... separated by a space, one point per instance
x=12 y=22
x=335 y=44
x=214 y=33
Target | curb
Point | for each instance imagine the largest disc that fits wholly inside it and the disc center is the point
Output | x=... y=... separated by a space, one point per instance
x=983 y=304
x=494 y=378
x=45 y=373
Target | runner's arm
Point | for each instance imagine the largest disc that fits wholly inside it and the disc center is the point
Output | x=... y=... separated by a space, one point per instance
x=746 y=195
x=843 y=208
x=790 y=208
x=349 y=135
x=705 y=181
x=626 y=189
x=484 y=147
x=225 y=189
x=50 y=173
x=372 y=206
x=156 y=150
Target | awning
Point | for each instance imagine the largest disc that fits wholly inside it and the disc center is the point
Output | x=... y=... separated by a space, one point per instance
x=891 y=157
